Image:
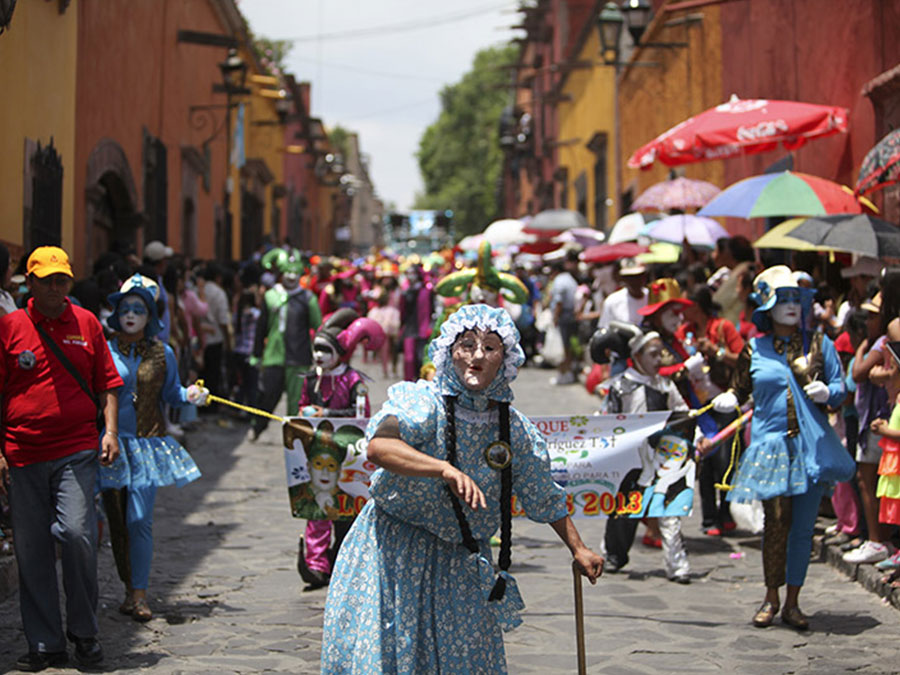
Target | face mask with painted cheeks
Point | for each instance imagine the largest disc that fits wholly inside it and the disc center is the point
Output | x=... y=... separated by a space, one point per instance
x=670 y=319
x=787 y=310
x=649 y=359
x=477 y=357
x=324 y=355
x=133 y=315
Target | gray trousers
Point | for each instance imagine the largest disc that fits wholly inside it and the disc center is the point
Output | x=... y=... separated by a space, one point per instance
x=54 y=502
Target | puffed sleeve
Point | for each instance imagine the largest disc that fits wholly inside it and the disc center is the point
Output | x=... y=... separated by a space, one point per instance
x=543 y=499
x=415 y=406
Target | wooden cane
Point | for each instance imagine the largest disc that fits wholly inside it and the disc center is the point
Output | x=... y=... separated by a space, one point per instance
x=579 y=621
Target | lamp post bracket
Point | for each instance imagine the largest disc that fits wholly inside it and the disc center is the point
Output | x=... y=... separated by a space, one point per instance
x=196 y=37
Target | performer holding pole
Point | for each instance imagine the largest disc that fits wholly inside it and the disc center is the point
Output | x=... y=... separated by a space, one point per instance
x=452 y=452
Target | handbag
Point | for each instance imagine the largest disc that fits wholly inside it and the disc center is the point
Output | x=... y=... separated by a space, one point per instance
x=73 y=371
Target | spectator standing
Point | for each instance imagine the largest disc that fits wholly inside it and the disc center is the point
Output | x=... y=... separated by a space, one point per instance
x=219 y=336
x=50 y=445
x=624 y=304
x=562 y=304
x=734 y=256
x=157 y=255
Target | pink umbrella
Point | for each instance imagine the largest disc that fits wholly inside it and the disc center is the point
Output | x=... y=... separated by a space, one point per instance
x=680 y=193
x=741 y=127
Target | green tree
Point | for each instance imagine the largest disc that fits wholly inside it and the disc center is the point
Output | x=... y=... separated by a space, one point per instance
x=459 y=154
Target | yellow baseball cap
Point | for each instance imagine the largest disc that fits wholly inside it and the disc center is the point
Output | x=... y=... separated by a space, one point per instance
x=47 y=260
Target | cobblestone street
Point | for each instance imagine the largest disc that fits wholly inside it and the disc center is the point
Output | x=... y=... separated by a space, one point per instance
x=227 y=597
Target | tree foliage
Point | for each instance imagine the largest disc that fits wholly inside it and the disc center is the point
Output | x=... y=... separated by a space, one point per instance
x=459 y=154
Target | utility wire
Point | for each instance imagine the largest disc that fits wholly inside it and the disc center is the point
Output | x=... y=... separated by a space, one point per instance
x=366 y=71
x=389 y=111
x=405 y=26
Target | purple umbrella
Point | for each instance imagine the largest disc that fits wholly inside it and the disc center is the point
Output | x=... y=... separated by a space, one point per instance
x=696 y=230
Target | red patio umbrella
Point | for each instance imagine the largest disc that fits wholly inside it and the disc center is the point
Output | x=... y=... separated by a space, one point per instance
x=605 y=253
x=741 y=127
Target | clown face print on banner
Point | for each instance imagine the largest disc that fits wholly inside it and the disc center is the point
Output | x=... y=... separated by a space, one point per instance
x=477 y=357
x=133 y=314
x=313 y=480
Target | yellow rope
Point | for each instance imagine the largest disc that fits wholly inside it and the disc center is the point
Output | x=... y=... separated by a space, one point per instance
x=735 y=448
x=246 y=408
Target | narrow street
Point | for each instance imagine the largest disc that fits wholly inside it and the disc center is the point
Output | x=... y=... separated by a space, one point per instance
x=227 y=597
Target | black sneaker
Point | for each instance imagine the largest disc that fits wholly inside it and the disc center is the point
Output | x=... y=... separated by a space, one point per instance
x=87 y=650
x=34 y=662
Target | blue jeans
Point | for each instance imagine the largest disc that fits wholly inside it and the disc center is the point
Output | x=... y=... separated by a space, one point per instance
x=54 y=502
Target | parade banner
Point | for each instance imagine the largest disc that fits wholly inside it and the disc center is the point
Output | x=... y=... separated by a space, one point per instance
x=609 y=465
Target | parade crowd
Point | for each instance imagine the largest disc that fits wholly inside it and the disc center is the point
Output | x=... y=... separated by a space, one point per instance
x=780 y=372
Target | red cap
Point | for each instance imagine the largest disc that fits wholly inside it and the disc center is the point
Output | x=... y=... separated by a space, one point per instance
x=842 y=343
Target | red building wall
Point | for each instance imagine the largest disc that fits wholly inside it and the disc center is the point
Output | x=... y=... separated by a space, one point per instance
x=133 y=74
x=817 y=51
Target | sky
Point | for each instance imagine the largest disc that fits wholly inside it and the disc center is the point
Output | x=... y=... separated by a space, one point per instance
x=383 y=79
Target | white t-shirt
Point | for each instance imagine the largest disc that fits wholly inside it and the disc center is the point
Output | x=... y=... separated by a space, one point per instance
x=218 y=314
x=621 y=306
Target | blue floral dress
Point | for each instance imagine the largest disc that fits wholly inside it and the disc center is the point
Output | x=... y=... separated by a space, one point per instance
x=792 y=444
x=147 y=457
x=406 y=596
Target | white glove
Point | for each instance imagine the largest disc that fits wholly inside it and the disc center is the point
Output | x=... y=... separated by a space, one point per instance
x=197 y=395
x=725 y=402
x=694 y=364
x=817 y=391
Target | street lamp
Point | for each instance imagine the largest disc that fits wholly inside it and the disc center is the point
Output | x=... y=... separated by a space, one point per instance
x=638 y=14
x=234 y=75
x=609 y=24
x=234 y=72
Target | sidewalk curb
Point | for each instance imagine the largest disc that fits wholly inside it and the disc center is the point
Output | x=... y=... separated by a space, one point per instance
x=866 y=575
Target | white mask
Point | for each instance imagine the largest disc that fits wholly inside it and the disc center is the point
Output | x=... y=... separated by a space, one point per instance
x=786 y=313
x=289 y=280
x=649 y=358
x=324 y=355
x=133 y=315
x=670 y=320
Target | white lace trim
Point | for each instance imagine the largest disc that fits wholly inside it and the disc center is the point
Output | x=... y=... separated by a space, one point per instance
x=513 y=355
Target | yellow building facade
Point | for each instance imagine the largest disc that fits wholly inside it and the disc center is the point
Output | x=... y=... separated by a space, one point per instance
x=585 y=146
x=39 y=108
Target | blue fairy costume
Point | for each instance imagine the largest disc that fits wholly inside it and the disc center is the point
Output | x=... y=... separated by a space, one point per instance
x=408 y=594
x=794 y=454
x=148 y=458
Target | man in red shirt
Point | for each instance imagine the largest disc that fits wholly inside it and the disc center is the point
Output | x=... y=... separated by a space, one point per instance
x=50 y=458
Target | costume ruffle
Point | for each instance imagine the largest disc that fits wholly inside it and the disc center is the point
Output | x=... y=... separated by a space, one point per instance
x=890 y=457
x=142 y=462
x=889 y=510
x=770 y=467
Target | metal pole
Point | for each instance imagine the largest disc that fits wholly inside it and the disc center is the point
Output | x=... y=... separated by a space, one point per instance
x=579 y=621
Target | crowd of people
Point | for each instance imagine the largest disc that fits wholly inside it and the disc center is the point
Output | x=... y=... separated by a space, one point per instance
x=807 y=343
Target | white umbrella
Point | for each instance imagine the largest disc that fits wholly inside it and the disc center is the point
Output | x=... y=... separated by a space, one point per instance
x=470 y=243
x=627 y=228
x=507 y=232
x=585 y=236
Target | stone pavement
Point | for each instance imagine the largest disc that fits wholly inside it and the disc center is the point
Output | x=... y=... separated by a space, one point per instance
x=227 y=597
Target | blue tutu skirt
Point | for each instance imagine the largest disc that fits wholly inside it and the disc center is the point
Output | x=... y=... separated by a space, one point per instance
x=144 y=462
x=770 y=467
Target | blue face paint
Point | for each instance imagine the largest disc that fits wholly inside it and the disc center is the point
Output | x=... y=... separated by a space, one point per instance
x=135 y=306
x=789 y=295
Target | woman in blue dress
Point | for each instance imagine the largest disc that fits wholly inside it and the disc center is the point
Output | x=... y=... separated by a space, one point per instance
x=149 y=458
x=794 y=454
x=413 y=589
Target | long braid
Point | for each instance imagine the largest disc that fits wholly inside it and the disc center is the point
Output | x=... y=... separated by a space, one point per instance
x=465 y=530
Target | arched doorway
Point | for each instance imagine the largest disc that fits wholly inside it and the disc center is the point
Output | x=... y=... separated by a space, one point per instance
x=111 y=219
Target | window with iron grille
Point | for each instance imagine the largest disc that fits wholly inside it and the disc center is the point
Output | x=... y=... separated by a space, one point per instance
x=43 y=221
x=156 y=187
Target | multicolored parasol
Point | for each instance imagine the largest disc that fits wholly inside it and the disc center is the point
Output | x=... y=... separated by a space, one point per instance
x=881 y=166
